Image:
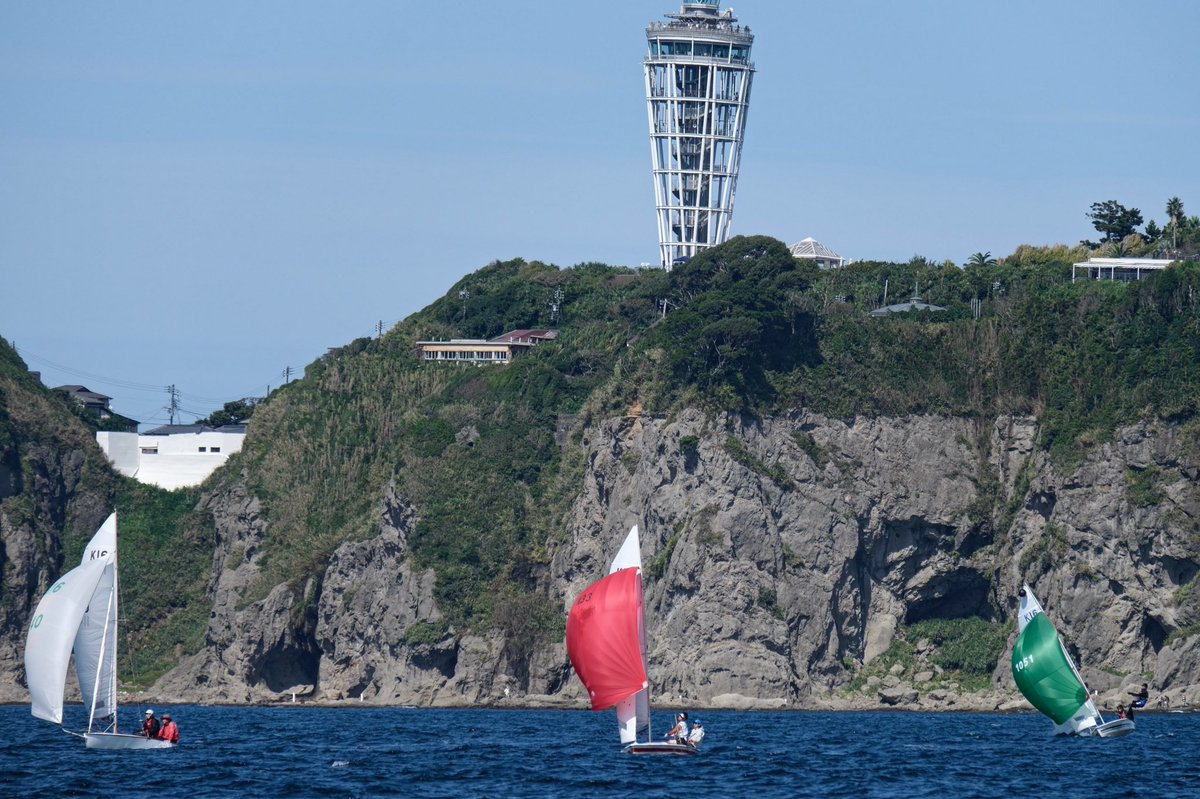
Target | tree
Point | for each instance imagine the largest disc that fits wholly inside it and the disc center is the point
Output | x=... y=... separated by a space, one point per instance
x=1153 y=232
x=1175 y=211
x=981 y=259
x=1114 y=220
x=236 y=412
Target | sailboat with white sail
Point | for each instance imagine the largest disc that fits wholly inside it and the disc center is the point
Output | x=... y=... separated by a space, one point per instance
x=606 y=641
x=79 y=615
x=1048 y=678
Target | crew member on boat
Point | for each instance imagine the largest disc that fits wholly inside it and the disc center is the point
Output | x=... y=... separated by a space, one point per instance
x=696 y=735
x=169 y=731
x=1140 y=698
x=679 y=733
x=151 y=726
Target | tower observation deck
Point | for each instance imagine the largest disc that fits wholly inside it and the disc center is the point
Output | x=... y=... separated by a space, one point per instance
x=698 y=74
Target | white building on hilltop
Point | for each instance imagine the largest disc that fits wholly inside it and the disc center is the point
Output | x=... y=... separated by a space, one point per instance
x=172 y=456
x=813 y=250
x=1126 y=269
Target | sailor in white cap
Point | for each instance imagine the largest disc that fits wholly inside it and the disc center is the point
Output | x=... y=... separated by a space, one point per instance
x=151 y=726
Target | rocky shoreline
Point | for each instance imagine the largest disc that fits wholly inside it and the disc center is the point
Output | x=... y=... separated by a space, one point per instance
x=899 y=696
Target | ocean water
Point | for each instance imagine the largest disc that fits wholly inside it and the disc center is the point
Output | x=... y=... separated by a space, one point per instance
x=461 y=754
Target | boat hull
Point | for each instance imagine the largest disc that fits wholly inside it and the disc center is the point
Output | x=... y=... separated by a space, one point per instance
x=119 y=740
x=1116 y=728
x=660 y=748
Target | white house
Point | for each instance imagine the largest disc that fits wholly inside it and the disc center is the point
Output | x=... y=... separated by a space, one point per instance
x=172 y=456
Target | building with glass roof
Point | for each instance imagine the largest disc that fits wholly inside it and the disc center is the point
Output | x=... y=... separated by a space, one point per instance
x=814 y=250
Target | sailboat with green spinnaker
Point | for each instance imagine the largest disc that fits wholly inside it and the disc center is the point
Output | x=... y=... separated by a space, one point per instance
x=1048 y=678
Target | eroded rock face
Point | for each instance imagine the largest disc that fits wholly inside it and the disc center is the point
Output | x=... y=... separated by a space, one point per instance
x=780 y=555
x=47 y=475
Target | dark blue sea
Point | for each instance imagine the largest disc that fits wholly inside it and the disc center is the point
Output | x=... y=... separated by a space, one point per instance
x=461 y=754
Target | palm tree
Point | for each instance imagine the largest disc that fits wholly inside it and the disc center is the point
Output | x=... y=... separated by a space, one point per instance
x=981 y=259
x=1175 y=211
x=1117 y=250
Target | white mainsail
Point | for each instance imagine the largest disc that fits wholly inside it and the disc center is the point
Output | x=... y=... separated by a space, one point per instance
x=96 y=641
x=95 y=648
x=633 y=714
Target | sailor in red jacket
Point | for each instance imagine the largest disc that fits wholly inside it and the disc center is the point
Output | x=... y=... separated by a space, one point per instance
x=169 y=731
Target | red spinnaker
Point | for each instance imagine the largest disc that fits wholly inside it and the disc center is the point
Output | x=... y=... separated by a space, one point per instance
x=603 y=641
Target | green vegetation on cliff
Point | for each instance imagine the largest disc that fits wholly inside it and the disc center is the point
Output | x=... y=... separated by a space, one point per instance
x=56 y=487
x=747 y=328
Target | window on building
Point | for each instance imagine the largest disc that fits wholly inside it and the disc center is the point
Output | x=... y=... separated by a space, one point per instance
x=204 y=449
x=149 y=450
x=214 y=449
x=676 y=48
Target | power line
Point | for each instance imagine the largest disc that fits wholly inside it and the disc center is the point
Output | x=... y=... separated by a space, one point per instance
x=89 y=375
x=131 y=385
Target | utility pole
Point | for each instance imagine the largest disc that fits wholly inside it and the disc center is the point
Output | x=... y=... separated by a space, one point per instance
x=173 y=405
x=464 y=295
x=287 y=374
x=379 y=329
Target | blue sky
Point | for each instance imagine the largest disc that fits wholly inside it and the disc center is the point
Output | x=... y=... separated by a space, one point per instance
x=202 y=194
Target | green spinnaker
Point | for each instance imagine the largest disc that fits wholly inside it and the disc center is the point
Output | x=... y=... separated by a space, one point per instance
x=1043 y=673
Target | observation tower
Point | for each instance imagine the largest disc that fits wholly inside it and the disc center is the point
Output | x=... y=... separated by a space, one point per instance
x=698 y=74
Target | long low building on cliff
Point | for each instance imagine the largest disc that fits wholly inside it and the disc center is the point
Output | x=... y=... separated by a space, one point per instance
x=499 y=350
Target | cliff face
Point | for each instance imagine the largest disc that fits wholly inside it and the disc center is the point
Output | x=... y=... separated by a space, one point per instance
x=781 y=556
x=53 y=486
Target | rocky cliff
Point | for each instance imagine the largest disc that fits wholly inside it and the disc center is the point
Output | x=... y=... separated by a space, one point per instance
x=55 y=489
x=783 y=557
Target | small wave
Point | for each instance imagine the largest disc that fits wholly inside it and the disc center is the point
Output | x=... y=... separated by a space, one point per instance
x=339 y=764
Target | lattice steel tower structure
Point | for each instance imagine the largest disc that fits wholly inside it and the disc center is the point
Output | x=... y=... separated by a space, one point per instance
x=698 y=75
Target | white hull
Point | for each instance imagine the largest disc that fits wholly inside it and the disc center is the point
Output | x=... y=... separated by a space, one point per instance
x=119 y=740
x=1116 y=728
x=660 y=748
